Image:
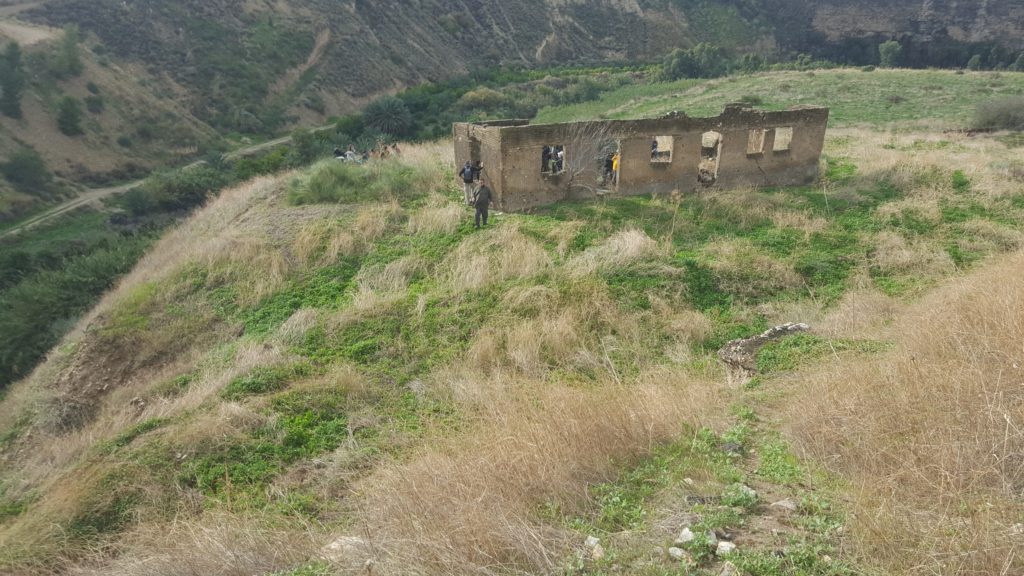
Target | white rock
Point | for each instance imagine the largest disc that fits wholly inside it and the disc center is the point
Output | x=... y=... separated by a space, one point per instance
x=712 y=539
x=688 y=481
x=677 y=553
x=591 y=542
x=685 y=537
x=347 y=550
x=786 y=504
x=748 y=491
x=729 y=569
x=725 y=548
x=597 y=552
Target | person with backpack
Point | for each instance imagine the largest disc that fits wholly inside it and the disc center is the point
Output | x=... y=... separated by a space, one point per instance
x=481 y=201
x=468 y=176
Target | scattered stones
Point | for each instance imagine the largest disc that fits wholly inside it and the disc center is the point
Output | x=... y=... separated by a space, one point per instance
x=788 y=505
x=725 y=548
x=729 y=569
x=591 y=541
x=677 y=553
x=712 y=539
x=688 y=481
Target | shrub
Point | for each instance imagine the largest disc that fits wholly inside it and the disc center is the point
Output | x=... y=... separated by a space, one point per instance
x=333 y=181
x=974 y=63
x=889 y=53
x=1000 y=114
x=28 y=173
x=69 y=116
x=66 y=60
x=95 y=104
x=175 y=190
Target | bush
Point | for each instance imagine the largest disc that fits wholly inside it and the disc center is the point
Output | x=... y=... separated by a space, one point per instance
x=27 y=171
x=334 y=181
x=95 y=104
x=1000 y=114
x=69 y=116
x=889 y=53
x=176 y=190
x=974 y=63
x=66 y=60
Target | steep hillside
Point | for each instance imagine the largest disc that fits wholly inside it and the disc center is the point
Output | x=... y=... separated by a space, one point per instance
x=332 y=366
x=247 y=68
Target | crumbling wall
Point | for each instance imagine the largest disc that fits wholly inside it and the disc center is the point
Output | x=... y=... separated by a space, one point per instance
x=751 y=151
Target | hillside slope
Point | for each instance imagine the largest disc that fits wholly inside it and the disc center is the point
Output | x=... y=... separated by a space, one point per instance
x=332 y=365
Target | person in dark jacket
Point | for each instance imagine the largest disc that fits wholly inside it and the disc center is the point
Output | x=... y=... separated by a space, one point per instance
x=466 y=173
x=482 y=201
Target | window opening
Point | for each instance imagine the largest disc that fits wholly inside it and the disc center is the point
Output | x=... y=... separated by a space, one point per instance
x=783 y=139
x=710 y=152
x=755 y=142
x=552 y=159
x=609 y=160
x=661 y=149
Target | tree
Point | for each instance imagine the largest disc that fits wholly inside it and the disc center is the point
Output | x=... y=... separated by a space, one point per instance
x=12 y=80
x=974 y=63
x=66 y=60
x=1018 y=65
x=889 y=53
x=702 y=61
x=69 y=116
x=27 y=171
x=389 y=115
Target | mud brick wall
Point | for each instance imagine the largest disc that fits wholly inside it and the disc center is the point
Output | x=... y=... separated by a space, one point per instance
x=751 y=151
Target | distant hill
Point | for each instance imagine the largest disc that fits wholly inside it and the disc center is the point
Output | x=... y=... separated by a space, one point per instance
x=165 y=81
x=245 y=65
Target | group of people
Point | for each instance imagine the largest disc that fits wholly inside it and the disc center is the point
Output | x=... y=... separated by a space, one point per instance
x=381 y=151
x=552 y=159
x=477 y=193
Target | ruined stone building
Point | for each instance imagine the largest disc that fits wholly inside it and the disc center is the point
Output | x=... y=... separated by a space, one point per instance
x=533 y=165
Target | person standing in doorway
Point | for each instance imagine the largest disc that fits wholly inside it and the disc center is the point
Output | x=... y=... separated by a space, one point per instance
x=467 y=174
x=616 y=161
x=482 y=201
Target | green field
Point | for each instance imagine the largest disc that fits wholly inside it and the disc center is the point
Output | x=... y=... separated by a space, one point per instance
x=939 y=98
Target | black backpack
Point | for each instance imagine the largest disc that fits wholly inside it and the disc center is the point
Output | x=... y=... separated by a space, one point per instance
x=467 y=174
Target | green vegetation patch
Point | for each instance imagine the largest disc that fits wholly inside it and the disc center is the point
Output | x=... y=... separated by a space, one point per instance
x=264 y=380
x=344 y=182
x=789 y=353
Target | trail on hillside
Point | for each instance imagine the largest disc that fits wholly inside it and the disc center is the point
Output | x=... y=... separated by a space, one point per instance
x=22 y=32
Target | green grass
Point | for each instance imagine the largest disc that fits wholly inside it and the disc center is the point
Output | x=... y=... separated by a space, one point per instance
x=790 y=353
x=853 y=97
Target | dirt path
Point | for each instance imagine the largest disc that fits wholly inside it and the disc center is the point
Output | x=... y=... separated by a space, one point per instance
x=87 y=197
x=22 y=32
x=96 y=194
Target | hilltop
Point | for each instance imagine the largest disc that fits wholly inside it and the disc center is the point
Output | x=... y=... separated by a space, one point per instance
x=330 y=366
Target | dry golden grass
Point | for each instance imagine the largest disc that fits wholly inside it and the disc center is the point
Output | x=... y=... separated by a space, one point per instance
x=930 y=435
x=895 y=255
x=492 y=256
x=621 y=249
x=378 y=283
x=218 y=543
x=741 y=268
x=469 y=505
x=442 y=219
